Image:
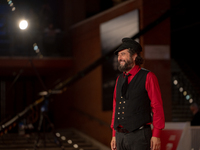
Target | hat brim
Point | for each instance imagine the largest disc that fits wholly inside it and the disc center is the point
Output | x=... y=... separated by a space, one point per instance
x=122 y=47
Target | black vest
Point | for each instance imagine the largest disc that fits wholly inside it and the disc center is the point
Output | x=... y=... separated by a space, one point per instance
x=133 y=111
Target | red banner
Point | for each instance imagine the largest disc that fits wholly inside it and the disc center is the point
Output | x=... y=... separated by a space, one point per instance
x=170 y=139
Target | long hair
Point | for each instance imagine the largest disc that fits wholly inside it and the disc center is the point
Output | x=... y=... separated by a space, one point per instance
x=139 y=60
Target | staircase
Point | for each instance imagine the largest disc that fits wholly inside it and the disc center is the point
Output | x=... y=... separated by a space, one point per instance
x=185 y=90
x=71 y=139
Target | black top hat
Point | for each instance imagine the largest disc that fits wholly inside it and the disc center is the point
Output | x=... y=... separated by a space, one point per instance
x=129 y=43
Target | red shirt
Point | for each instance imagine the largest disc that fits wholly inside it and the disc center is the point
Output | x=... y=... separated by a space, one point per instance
x=154 y=94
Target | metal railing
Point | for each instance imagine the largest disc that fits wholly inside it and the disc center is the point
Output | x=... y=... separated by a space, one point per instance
x=184 y=93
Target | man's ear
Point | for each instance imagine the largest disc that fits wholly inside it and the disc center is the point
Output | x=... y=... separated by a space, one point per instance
x=134 y=56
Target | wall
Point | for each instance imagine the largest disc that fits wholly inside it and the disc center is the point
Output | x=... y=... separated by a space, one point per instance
x=159 y=36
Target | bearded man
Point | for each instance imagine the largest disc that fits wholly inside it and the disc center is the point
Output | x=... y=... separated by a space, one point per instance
x=137 y=103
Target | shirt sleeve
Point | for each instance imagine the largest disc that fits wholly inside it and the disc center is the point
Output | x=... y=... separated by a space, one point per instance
x=114 y=105
x=153 y=90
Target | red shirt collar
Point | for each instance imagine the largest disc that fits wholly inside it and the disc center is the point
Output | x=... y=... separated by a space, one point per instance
x=133 y=71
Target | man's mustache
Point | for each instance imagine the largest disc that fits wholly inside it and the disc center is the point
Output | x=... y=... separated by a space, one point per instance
x=121 y=61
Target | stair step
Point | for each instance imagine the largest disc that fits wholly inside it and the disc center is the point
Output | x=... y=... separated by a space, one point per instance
x=14 y=141
x=50 y=148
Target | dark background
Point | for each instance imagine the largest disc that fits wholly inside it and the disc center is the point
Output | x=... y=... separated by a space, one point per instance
x=185 y=23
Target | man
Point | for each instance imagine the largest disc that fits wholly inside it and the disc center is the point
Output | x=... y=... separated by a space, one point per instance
x=136 y=96
x=195 y=111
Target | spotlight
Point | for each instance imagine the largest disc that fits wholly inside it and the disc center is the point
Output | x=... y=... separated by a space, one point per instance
x=69 y=141
x=185 y=93
x=23 y=24
x=37 y=50
x=35 y=47
x=181 y=89
x=13 y=9
x=11 y=4
x=191 y=100
x=58 y=134
x=75 y=145
x=188 y=97
x=175 y=82
x=63 y=138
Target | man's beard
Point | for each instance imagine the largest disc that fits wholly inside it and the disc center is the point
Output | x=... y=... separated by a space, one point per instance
x=126 y=67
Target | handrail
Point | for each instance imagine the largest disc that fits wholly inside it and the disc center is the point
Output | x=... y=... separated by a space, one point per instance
x=190 y=74
x=62 y=86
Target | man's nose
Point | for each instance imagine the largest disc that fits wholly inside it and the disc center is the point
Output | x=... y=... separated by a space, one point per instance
x=119 y=58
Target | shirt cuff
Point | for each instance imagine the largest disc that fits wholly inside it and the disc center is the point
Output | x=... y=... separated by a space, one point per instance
x=156 y=132
x=113 y=133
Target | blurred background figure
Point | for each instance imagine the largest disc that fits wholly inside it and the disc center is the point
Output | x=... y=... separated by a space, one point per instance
x=51 y=40
x=46 y=15
x=195 y=111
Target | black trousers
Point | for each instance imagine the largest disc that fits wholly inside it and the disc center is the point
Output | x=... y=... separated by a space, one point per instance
x=136 y=140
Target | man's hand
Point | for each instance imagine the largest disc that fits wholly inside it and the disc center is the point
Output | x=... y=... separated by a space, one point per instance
x=155 y=143
x=113 y=144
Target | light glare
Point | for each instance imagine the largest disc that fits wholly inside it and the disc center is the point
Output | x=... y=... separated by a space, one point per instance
x=185 y=93
x=58 y=134
x=63 y=138
x=175 y=82
x=69 y=141
x=187 y=97
x=181 y=89
x=23 y=24
x=75 y=145
x=13 y=9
